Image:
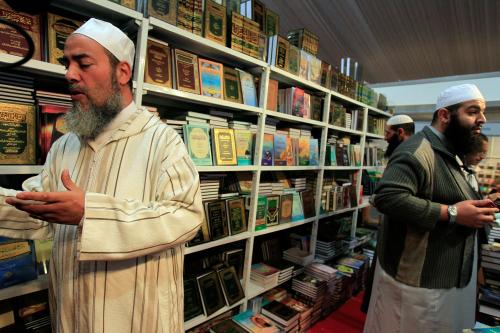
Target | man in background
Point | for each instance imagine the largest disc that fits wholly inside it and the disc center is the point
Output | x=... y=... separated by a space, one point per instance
x=118 y=194
x=474 y=155
x=398 y=129
x=425 y=278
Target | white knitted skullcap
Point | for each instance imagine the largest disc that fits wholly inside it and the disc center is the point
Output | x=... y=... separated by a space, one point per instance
x=458 y=94
x=399 y=119
x=110 y=37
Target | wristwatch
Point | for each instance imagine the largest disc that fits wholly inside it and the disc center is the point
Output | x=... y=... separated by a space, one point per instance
x=452 y=214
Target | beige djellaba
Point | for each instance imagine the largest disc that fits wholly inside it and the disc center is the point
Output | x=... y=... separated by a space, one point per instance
x=121 y=268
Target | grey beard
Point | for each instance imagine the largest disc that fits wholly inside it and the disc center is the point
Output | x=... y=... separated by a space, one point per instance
x=88 y=124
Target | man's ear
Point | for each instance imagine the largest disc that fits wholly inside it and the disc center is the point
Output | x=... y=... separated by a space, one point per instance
x=123 y=73
x=444 y=115
x=401 y=134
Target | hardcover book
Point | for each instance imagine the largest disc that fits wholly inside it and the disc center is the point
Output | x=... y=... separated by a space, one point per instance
x=165 y=10
x=197 y=139
x=127 y=3
x=260 y=215
x=268 y=149
x=211 y=78
x=286 y=205
x=185 y=14
x=217 y=219
x=282 y=53
x=244 y=146
x=308 y=204
x=304 y=150
x=272 y=23
x=255 y=323
x=272 y=95
x=231 y=286
x=224 y=146
x=232 y=87
x=158 y=64
x=11 y=42
x=58 y=29
x=248 y=89
x=211 y=292
x=297 y=209
x=215 y=22
x=293 y=59
x=235 y=258
x=236 y=30
x=18 y=145
x=51 y=127
x=313 y=152
x=272 y=213
x=280 y=313
x=192 y=301
x=280 y=151
x=236 y=215
x=186 y=72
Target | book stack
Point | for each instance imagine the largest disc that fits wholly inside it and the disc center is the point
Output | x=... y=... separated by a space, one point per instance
x=328 y=274
x=369 y=252
x=209 y=185
x=298 y=184
x=285 y=268
x=298 y=256
x=358 y=267
x=284 y=317
x=254 y=323
x=311 y=289
x=305 y=313
x=494 y=235
x=177 y=125
x=17 y=89
x=365 y=271
x=264 y=275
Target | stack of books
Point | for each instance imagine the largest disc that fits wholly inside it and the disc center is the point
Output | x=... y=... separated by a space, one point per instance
x=264 y=275
x=284 y=317
x=298 y=256
x=254 y=323
x=209 y=185
x=305 y=313
x=328 y=274
x=285 y=268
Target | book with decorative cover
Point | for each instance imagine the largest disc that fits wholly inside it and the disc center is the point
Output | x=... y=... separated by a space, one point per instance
x=211 y=292
x=232 y=87
x=215 y=22
x=304 y=150
x=224 y=146
x=235 y=258
x=272 y=95
x=51 y=127
x=197 y=139
x=286 y=205
x=293 y=59
x=272 y=22
x=244 y=146
x=308 y=204
x=231 y=286
x=282 y=53
x=255 y=323
x=249 y=92
x=280 y=151
x=217 y=219
x=17 y=123
x=236 y=215
x=280 y=313
x=211 y=78
x=127 y=3
x=186 y=72
x=192 y=301
x=58 y=29
x=268 y=149
x=313 y=152
x=297 y=209
x=273 y=208
x=165 y=10
x=158 y=70
x=260 y=215
x=236 y=26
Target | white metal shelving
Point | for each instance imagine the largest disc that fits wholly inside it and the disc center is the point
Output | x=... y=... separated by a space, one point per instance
x=177 y=37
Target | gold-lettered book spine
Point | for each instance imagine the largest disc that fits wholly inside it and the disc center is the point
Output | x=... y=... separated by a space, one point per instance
x=17 y=134
x=58 y=29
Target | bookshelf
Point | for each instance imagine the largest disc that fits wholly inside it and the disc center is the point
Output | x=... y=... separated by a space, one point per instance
x=203 y=47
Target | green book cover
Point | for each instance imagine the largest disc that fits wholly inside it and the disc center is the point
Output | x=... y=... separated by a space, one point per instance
x=197 y=139
x=260 y=216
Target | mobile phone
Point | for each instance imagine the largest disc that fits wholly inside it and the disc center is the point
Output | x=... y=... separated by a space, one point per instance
x=18 y=201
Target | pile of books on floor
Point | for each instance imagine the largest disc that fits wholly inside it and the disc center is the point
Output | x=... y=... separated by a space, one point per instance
x=282 y=296
x=264 y=275
x=329 y=275
x=312 y=291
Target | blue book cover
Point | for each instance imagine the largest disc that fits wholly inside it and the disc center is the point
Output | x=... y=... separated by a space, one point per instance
x=297 y=209
x=248 y=89
x=280 y=151
x=211 y=78
x=313 y=152
x=267 y=149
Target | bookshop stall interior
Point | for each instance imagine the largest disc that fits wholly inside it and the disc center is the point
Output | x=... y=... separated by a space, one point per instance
x=285 y=131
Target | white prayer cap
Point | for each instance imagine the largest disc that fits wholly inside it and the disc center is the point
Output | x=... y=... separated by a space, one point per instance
x=399 y=119
x=458 y=94
x=110 y=37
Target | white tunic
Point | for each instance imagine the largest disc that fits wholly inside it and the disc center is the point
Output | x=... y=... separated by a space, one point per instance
x=121 y=269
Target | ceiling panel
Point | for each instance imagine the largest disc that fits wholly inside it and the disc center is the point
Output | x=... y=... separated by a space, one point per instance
x=399 y=40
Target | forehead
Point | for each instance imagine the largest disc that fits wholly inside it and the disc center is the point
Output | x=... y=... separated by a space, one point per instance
x=477 y=103
x=80 y=44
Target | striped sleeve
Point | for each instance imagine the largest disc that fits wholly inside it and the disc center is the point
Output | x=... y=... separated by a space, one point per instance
x=117 y=229
x=15 y=223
